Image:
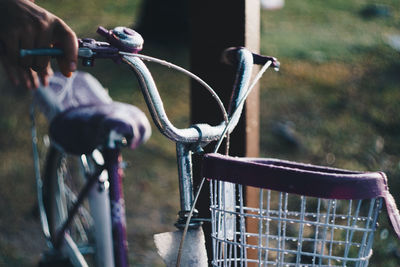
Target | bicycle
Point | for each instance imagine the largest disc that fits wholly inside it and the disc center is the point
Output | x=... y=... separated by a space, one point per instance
x=88 y=130
x=291 y=230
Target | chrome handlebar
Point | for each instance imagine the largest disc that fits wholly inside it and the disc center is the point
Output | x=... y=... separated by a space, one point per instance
x=199 y=133
x=125 y=43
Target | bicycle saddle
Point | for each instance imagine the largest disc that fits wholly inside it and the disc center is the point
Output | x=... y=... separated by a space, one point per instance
x=81 y=129
x=83 y=116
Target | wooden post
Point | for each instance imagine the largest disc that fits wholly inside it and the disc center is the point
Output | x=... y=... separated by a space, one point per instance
x=215 y=26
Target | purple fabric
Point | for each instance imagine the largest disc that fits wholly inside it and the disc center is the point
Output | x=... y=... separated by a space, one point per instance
x=81 y=129
x=64 y=93
x=303 y=179
x=82 y=114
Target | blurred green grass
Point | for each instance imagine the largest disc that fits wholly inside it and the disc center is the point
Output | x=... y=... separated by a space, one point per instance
x=85 y=16
x=319 y=31
x=337 y=95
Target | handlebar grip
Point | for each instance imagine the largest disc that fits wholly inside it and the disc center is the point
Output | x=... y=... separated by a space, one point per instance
x=229 y=56
x=83 y=52
x=261 y=60
x=53 y=52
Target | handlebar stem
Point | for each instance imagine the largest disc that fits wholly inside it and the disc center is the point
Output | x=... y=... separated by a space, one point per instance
x=184 y=159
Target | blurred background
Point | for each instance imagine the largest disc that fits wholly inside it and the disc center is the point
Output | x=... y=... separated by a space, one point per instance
x=335 y=101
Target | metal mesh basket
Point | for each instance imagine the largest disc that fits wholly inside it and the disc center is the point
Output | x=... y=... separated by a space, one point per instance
x=293 y=215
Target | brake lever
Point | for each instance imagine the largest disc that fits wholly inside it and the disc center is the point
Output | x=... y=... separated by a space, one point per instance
x=90 y=49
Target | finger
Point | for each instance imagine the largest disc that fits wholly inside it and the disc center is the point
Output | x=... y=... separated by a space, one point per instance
x=28 y=79
x=40 y=63
x=26 y=42
x=34 y=79
x=45 y=74
x=23 y=76
x=19 y=75
x=31 y=79
x=66 y=39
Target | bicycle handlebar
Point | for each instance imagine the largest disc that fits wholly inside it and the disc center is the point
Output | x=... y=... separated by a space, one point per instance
x=124 y=46
x=201 y=133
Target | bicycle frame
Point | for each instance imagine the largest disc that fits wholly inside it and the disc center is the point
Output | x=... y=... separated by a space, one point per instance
x=104 y=185
x=188 y=141
x=112 y=161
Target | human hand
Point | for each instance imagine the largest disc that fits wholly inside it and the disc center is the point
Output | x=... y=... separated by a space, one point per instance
x=24 y=25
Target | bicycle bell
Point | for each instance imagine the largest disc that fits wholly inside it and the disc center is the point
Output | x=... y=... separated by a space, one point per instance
x=125 y=39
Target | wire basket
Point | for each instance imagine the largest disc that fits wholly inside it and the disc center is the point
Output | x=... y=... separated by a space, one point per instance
x=293 y=214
